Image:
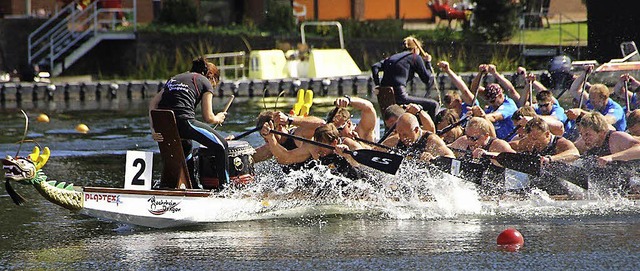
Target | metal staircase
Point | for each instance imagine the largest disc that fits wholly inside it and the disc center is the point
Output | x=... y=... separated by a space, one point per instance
x=73 y=32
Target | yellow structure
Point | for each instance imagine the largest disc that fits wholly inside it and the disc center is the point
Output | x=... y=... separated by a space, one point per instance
x=267 y=64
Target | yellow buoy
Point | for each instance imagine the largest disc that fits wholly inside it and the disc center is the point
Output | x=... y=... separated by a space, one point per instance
x=81 y=128
x=43 y=118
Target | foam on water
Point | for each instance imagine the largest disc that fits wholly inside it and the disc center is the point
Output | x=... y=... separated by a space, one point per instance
x=417 y=191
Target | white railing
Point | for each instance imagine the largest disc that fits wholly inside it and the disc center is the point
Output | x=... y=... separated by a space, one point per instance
x=70 y=26
x=232 y=61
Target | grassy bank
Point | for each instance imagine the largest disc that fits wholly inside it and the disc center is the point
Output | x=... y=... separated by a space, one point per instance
x=569 y=34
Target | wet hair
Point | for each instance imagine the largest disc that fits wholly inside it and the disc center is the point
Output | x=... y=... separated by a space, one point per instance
x=482 y=124
x=594 y=121
x=448 y=116
x=451 y=96
x=326 y=133
x=544 y=96
x=338 y=111
x=208 y=69
x=391 y=111
x=600 y=89
x=633 y=118
x=536 y=123
x=525 y=111
x=264 y=117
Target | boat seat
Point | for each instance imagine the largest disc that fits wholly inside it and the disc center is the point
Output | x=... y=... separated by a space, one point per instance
x=175 y=174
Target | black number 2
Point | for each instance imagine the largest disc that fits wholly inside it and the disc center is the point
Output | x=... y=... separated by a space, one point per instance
x=136 y=179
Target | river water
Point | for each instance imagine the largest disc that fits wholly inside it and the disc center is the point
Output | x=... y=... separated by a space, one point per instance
x=394 y=230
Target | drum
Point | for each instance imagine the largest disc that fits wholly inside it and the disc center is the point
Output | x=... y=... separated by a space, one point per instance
x=241 y=169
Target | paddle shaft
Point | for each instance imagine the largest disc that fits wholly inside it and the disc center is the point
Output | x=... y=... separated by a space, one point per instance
x=247 y=133
x=387 y=133
x=373 y=143
x=226 y=107
x=626 y=94
x=451 y=126
x=584 y=86
x=313 y=142
x=475 y=96
x=531 y=93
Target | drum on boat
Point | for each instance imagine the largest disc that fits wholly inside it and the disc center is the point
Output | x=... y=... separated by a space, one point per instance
x=241 y=170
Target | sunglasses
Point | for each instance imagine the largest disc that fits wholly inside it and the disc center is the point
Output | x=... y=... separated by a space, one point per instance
x=473 y=138
x=342 y=126
x=544 y=105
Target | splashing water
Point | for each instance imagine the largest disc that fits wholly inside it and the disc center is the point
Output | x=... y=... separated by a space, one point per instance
x=414 y=193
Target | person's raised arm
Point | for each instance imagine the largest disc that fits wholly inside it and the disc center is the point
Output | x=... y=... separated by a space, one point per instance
x=579 y=84
x=457 y=81
x=368 y=117
x=475 y=83
x=506 y=84
x=423 y=69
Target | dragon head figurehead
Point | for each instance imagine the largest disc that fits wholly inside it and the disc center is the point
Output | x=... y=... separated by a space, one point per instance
x=25 y=169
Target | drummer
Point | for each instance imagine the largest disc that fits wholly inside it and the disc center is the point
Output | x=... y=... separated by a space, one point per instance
x=181 y=94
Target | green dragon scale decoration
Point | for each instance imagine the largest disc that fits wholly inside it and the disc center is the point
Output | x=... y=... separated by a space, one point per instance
x=27 y=170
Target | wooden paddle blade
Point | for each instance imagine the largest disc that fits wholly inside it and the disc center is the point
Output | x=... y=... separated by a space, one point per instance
x=386 y=162
x=525 y=163
x=570 y=173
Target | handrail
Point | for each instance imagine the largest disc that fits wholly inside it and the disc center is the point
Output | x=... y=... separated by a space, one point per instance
x=54 y=38
x=64 y=10
x=222 y=65
x=337 y=24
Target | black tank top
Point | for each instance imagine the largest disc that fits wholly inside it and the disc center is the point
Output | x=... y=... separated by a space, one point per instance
x=289 y=143
x=603 y=149
x=550 y=149
x=340 y=166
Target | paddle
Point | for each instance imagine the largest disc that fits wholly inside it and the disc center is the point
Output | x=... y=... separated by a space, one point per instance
x=525 y=163
x=570 y=173
x=584 y=86
x=247 y=133
x=387 y=133
x=626 y=94
x=373 y=143
x=451 y=126
x=226 y=108
x=386 y=162
x=530 y=93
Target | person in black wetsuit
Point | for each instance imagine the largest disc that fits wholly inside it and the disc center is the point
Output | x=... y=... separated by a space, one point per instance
x=400 y=68
x=181 y=94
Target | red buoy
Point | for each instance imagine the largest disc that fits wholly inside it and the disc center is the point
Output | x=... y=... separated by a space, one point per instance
x=511 y=237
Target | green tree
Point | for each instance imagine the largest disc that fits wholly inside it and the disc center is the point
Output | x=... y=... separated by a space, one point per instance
x=494 y=20
x=279 y=18
x=178 y=12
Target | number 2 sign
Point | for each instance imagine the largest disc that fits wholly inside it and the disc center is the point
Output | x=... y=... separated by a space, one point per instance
x=137 y=175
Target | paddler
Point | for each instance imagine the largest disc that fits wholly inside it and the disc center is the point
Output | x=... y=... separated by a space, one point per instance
x=339 y=162
x=295 y=125
x=181 y=94
x=341 y=118
x=608 y=145
x=417 y=142
x=538 y=140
